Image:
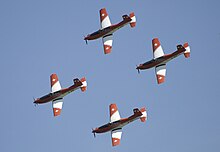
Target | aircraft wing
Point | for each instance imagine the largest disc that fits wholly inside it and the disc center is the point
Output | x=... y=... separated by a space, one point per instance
x=55 y=84
x=57 y=106
x=116 y=136
x=160 y=71
x=107 y=43
x=104 y=18
x=114 y=113
x=157 y=48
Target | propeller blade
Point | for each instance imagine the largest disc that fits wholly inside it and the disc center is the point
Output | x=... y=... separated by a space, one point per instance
x=138 y=69
x=85 y=40
x=34 y=102
x=93 y=132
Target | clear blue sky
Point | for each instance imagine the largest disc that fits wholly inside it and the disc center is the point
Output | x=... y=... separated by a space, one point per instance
x=41 y=37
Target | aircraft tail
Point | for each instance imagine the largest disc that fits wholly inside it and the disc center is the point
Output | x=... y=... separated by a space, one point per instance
x=187 y=52
x=84 y=84
x=133 y=20
x=144 y=114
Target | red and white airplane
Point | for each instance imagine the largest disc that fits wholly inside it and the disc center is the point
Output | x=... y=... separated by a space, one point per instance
x=57 y=93
x=160 y=59
x=116 y=123
x=107 y=29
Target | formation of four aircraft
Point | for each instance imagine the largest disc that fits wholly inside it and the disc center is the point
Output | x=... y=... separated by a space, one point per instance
x=106 y=33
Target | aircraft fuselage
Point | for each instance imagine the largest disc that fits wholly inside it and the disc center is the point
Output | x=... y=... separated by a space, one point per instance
x=163 y=59
x=108 y=30
x=59 y=94
x=117 y=124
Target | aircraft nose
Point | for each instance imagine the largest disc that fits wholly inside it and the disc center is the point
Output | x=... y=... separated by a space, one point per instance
x=86 y=37
x=138 y=67
x=36 y=100
x=94 y=130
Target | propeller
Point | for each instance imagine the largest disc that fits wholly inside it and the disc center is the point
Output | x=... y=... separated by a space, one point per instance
x=93 y=131
x=34 y=102
x=138 y=69
x=86 y=40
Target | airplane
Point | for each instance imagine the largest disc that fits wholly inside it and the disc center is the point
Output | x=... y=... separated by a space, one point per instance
x=160 y=59
x=57 y=93
x=116 y=123
x=107 y=29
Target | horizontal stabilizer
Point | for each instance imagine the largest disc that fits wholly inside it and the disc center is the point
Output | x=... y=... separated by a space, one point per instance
x=187 y=52
x=133 y=20
x=84 y=84
x=144 y=114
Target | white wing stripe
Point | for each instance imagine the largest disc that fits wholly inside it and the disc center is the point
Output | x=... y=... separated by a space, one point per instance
x=117 y=133
x=106 y=22
x=56 y=87
x=115 y=117
x=58 y=104
x=107 y=40
x=158 y=52
x=161 y=70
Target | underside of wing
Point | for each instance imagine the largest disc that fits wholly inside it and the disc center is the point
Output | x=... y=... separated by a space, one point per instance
x=55 y=84
x=104 y=18
x=116 y=136
x=160 y=71
x=157 y=48
x=107 y=43
x=57 y=106
x=114 y=113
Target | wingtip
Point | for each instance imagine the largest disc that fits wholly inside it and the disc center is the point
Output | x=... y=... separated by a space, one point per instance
x=115 y=141
x=107 y=49
x=160 y=79
x=56 y=111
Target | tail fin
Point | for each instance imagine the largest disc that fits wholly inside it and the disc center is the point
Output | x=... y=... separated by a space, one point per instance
x=133 y=20
x=187 y=52
x=144 y=114
x=84 y=84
